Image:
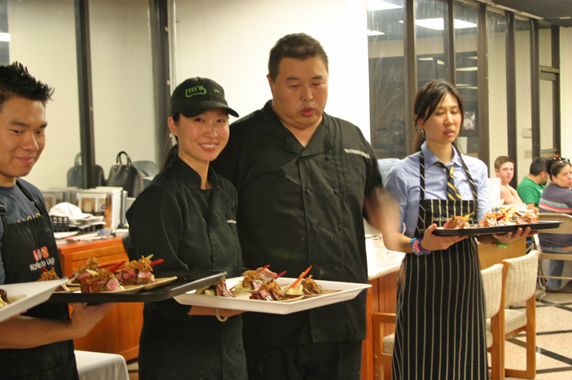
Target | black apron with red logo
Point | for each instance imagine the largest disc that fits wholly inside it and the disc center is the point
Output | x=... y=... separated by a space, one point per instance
x=440 y=329
x=28 y=246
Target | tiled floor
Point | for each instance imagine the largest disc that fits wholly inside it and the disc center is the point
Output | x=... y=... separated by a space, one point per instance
x=553 y=339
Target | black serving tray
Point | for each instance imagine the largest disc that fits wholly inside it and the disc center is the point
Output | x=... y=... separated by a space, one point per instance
x=497 y=230
x=185 y=282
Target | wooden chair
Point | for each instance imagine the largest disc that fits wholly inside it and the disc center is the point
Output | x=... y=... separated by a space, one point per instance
x=382 y=345
x=494 y=278
x=564 y=228
x=520 y=287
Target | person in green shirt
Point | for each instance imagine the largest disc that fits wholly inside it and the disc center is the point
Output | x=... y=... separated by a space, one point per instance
x=530 y=189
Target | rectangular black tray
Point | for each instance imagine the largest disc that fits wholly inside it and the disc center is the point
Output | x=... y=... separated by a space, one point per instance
x=186 y=281
x=501 y=230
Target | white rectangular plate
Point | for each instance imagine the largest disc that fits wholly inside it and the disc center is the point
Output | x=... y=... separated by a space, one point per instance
x=35 y=293
x=347 y=291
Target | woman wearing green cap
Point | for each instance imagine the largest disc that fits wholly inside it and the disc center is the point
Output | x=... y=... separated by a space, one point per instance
x=186 y=216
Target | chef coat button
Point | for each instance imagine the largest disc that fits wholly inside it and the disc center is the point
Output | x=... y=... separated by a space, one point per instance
x=308 y=190
x=336 y=190
x=315 y=227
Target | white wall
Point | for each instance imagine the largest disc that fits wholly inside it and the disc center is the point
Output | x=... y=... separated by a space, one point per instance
x=122 y=71
x=229 y=41
x=43 y=38
x=47 y=48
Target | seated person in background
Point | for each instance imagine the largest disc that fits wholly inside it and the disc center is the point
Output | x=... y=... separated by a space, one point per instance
x=530 y=189
x=557 y=197
x=504 y=169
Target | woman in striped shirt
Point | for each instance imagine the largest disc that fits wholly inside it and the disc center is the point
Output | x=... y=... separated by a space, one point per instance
x=557 y=197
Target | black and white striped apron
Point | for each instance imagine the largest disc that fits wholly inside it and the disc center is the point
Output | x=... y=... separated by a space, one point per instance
x=440 y=331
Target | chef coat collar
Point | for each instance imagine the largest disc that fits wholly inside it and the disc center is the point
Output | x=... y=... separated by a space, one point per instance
x=190 y=176
x=319 y=143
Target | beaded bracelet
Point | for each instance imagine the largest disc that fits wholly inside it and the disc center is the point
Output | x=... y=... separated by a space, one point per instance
x=417 y=248
x=498 y=244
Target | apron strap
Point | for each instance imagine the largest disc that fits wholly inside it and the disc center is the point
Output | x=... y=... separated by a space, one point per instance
x=422 y=175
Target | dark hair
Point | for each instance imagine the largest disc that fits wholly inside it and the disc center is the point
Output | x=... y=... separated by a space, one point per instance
x=502 y=160
x=555 y=165
x=537 y=166
x=298 y=46
x=173 y=149
x=427 y=100
x=16 y=81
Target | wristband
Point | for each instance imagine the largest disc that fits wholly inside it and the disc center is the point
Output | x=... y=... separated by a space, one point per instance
x=417 y=248
x=498 y=244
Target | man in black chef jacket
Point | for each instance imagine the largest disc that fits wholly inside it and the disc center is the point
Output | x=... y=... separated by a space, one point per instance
x=302 y=178
x=39 y=343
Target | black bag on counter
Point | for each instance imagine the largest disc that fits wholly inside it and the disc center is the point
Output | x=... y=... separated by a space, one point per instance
x=75 y=174
x=126 y=176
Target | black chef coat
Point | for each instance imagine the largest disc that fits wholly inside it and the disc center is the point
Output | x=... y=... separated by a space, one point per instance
x=302 y=206
x=173 y=219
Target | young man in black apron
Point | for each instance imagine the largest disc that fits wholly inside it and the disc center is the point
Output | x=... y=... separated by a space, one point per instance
x=37 y=344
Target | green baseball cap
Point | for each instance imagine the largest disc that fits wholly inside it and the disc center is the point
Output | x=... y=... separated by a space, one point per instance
x=198 y=95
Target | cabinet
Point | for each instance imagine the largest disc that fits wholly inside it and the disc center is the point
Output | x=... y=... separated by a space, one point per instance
x=119 y=331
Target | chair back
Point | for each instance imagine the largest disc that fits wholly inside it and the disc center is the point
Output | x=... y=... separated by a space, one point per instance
x=564 y=228
x=492 y=285
x=521 y=278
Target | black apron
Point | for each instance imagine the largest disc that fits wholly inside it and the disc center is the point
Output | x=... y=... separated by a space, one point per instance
x=440 y=328
x=27 y=247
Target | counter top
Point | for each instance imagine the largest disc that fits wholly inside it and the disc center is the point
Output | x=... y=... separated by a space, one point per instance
x=380 y=260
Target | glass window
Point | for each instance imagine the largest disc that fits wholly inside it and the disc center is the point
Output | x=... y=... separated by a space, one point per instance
x=48 y=49
x=545 y=44
x=523 y=97
x=386 y=31
x=430 y=40
x=547 y=118
x=466 y=21
x=496 y=43
x=122 y=80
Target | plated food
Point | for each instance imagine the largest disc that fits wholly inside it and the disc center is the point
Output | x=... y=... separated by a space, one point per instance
x=500 y=220
x=48 y=275
x=19 y=297
x=96 y=278
x=4 y=300
x=344 y=291
x=253 y=285
x=503 y=216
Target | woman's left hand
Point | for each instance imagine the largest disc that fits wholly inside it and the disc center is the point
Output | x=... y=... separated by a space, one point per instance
x=512 y=236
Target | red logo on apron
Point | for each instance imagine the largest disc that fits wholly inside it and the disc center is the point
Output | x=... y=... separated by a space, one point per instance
x=36 y=257
x=45 y=253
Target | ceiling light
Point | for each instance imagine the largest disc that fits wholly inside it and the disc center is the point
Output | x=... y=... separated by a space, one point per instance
x=565 y=18
x=467 y=68
x=379 y=5
x=5 y=37
x=374 y=33
x=439 y=24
